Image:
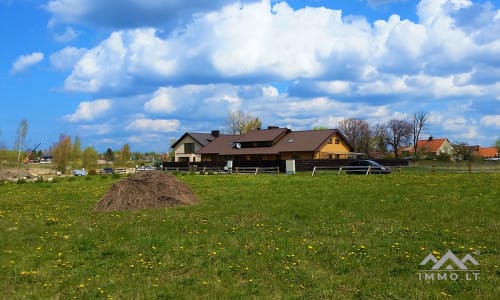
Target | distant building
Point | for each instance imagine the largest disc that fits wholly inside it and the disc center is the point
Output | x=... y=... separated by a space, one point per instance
x=489 y=152
x=430 y=147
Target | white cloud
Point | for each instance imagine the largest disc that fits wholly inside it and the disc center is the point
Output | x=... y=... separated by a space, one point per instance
x=88 y=111
x=491 y=120
x=340 y=66
x=158 y=125
x=161 y=102
x=118 y=60
x=25 y=61
x=66 y=58
x=68 y=35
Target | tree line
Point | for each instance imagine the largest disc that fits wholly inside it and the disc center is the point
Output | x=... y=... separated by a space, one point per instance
x=390 y=136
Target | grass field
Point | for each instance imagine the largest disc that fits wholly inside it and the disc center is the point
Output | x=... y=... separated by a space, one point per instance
x=262 y=237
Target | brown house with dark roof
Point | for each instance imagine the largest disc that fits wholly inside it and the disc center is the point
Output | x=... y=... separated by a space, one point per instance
x=278 y=144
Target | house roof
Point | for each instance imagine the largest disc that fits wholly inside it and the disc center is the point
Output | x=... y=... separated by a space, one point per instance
x=488 y=152
x=431 y=145
x=202 y=138
x=284 y=139
x=267 y=135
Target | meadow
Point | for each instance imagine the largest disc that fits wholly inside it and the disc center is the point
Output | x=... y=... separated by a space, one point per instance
x=257 y=237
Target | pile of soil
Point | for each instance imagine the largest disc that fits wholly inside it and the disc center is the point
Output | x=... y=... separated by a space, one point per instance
x=151 y=189
x=14 y=174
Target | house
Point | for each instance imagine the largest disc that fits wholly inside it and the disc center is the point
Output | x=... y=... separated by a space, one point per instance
x=489 y=152
x=187 y=146
x=277 y=143
x=430 y=147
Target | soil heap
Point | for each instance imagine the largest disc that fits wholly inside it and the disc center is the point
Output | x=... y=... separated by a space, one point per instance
x=150 y=189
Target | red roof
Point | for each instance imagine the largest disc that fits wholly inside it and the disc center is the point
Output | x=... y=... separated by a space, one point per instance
x=488 y=152
x=430 y=145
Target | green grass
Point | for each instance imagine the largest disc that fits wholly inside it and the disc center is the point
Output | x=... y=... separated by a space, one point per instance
x=262 y=237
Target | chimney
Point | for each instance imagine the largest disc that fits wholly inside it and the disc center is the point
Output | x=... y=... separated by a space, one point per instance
x=430 y=138
x=215 y=133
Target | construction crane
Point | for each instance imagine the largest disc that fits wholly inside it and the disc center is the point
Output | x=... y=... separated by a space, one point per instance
x=27 y=157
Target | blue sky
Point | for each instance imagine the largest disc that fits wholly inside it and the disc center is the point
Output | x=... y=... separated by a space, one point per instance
x=144 y=72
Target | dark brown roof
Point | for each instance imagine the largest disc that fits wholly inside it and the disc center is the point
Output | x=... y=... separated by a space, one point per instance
x=292 y=141
x=310 y=140
x=202 y=138
x=258 y=135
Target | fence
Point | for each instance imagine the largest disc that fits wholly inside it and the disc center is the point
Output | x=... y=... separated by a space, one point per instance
x=437 y=167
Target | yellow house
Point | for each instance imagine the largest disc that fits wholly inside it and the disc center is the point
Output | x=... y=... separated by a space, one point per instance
x=279 y=144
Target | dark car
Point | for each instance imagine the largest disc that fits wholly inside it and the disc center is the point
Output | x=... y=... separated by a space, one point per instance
x=362 y=167
x=107 y=171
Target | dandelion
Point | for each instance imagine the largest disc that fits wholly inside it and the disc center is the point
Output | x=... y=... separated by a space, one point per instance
x=309 y=247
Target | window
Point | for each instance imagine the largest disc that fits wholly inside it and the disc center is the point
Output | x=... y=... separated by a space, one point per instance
x=337 y=141
x=329 y=140
x=188 y=148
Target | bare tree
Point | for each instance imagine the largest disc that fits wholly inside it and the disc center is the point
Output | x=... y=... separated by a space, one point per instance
x=358 y=132
x=239 y=122
x=22 y=131
x=419 y=123
x=396 y=133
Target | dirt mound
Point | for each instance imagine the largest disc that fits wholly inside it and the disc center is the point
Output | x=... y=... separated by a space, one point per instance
x=152 y=189
x=15 y=174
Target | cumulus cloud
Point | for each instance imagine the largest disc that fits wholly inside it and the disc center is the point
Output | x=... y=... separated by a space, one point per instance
x=225 y=56
x=23 y=62
x=122 y=58
x=65 y=59
x=158 y=125
x=89 y=110
x=264 y=42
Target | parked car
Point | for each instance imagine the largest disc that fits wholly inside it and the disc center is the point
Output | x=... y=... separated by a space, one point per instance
x=361 y=167
x=107 y=171
x=79 y=172
x=146 y=168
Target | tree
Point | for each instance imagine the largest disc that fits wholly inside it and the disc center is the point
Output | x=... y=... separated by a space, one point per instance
x=125 y=155
x=238 y=122
x=76 y=152
x=109 y=155
x=22 y=131
x=251 y=124
x=396 y=133
x=419 y=123
x=358 y=132
x=89 y=158
x=61 y=153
